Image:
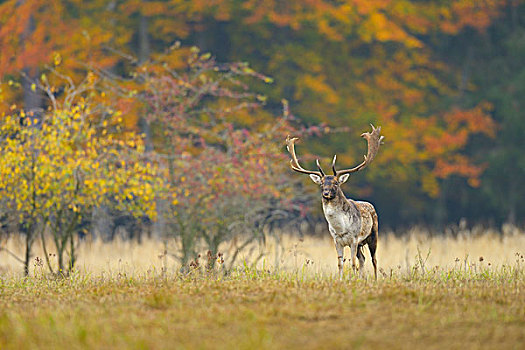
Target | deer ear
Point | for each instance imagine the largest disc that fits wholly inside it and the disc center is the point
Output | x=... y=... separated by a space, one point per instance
x=315 y=178
x=344 y=178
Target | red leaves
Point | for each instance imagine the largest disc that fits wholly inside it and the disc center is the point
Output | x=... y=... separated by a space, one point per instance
x=476 y=120
x=196 y=108
x=471 y=13
x=459 y=165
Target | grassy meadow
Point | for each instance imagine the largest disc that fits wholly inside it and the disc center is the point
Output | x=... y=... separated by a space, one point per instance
x=464 y=290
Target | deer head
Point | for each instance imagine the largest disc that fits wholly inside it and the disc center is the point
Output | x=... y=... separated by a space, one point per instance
x=330 y=184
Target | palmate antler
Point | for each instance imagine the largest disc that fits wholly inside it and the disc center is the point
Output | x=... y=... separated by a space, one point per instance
x=374 y=140
x=290 y=146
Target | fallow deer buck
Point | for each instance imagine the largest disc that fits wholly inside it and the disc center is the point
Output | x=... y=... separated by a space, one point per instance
x=351 y=223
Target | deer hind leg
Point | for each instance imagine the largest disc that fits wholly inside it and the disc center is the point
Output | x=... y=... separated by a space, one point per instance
x=372 y=245
x=361 y=259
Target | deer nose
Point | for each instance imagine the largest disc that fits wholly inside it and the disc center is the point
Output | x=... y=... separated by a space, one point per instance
x=326 y=193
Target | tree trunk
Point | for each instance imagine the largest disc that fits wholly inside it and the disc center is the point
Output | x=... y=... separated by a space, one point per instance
x=440 y=211
x=72 y=252
x=27 y=258
x=33 y=100
x=60 y=255
x=512 y=200
x=144 y=44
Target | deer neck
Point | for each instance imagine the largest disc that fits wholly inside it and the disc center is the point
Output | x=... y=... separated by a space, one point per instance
x=339 y=202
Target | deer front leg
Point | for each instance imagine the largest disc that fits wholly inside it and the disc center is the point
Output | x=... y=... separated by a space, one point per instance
x=340 y=259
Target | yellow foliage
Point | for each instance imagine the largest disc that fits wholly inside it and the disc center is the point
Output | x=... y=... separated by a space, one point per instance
x=318 y=84
x=69 y=164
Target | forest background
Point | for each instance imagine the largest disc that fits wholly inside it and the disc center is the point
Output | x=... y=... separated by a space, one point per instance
x=173 y=114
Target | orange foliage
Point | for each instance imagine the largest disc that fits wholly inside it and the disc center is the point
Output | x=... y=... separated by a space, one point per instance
x=343 y=62
x=476 y=119
x=471 y=13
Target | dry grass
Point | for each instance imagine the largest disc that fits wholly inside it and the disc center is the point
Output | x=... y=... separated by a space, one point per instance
x=401 y=252
x=122 y=298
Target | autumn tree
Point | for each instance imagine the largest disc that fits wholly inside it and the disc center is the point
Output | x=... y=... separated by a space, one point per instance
x=226 y=180
x=405 y=65
x=55 y=170
x=492 y=70
x=353 y=62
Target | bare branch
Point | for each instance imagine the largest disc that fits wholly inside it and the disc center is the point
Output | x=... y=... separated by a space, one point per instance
x=12 y=254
